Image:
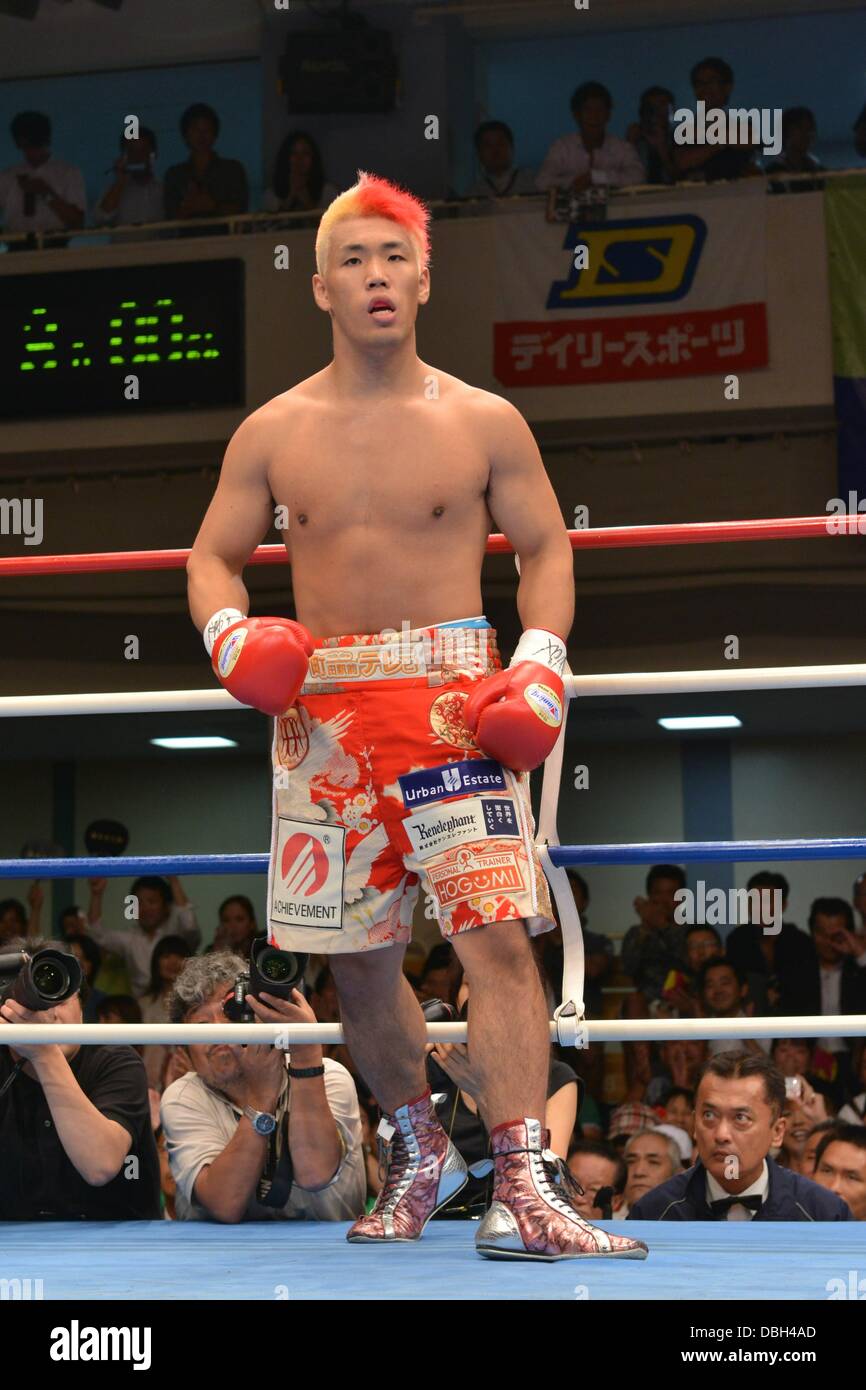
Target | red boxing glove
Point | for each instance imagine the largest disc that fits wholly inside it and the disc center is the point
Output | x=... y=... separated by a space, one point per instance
x=516 y=715
x=263 y=662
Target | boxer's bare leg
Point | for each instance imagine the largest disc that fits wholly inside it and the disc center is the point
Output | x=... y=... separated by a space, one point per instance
x=383 y=1024
x=509 y=1035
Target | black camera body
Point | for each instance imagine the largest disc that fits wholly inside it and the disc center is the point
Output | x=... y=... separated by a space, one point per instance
x=274 y=971
x=41 y=980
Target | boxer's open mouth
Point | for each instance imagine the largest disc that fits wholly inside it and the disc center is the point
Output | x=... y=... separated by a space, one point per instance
x=382 y=307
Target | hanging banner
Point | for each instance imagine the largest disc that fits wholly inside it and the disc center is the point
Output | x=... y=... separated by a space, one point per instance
x=671 y=287
x=845 y=210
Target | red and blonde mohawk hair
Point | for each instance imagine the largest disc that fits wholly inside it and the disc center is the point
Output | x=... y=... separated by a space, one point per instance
x=375 y=197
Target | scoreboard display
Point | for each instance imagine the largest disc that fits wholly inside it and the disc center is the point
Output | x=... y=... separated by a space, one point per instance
x=132 y=338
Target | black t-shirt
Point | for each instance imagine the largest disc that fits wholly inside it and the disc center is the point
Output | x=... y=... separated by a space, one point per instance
x=38 y=1180
x=467 y=1131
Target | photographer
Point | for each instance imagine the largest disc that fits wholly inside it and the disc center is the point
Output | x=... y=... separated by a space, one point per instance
x=250 y=1136
x=75 y=1131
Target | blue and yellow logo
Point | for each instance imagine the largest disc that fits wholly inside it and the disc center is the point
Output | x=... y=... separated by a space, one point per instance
x=648 y=260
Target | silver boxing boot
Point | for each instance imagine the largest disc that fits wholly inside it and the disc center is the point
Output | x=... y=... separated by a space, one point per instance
x=531 y=1216
x=423 y=1171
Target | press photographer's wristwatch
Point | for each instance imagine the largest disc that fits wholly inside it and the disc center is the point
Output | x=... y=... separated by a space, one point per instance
x=261 y=1121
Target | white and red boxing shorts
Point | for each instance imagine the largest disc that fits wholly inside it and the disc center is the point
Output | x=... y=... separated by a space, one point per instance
x=379 y=787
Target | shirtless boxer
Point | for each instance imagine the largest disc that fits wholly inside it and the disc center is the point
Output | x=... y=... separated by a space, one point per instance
x=399 y=761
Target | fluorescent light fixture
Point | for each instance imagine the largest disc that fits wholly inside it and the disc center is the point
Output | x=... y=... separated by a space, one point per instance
x=701 y=721
x=195 y=741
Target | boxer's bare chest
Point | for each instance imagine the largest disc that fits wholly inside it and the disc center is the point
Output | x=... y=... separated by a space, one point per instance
x=415 y=469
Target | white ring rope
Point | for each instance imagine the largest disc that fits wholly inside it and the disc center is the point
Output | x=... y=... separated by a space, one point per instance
x=284 y=1034
x=618 y=683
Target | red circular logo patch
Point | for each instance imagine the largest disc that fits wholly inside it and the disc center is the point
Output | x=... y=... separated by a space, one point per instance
x=304 y=864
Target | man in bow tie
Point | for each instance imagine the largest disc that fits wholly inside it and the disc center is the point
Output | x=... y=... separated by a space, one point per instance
x=738 y=1119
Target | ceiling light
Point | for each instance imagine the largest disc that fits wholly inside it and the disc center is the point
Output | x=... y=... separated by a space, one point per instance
x=195 y=741
x=701 y=721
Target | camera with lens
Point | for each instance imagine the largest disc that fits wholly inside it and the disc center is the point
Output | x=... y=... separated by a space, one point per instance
x=274 y=971
x=41 y=980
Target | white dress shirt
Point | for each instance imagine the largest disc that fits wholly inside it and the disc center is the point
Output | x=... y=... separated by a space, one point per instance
x=66 y=180
x=761 y=1187
x=615 y=163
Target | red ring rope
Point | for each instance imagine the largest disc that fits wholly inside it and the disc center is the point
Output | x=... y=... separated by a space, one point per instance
x=600 y=538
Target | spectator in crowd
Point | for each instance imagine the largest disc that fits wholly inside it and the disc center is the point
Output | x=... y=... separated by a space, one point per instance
x=169 y=956
x=738 y=1119
x=713 y=81
x=657 y=945
x=679 y=993
x=71 y=922
x=859 y=128
x=681 y=1139
x=205 y=185
x=628 y=1119
x=652 y=135
x=859 y=900
x=299 y=183
x=113 y=976
x=442 y=974
x=839 y=977
x=250 y=1135
x=598 y=960
x=71 y=1118
x=853 y=1112
x=680 y=1109
x=596 y=1166
x=119 y=1008
x=653 y=954
x=803 y=1110
x=679 y=1065
x=500 y=177
x=13 y=919
x=237 y=929
x=650 y=1159
x=323 y=999
x=799 y=132
x=810 y=1148
x=451 y=1075
x=35 y=904
x=369 y=1121
x=840 y=1166
x=806 y=1058
x=136 y=195
x=779 y=965
x=163 y=910
x=722 y=990
x=89 y=957
x=590 y=156
x=41 y=193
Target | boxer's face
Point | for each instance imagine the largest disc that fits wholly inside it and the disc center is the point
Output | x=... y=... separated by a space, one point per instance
x=370 y=259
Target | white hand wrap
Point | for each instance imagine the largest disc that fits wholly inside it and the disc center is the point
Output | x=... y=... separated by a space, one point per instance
x=544 y=647
x=218 y=623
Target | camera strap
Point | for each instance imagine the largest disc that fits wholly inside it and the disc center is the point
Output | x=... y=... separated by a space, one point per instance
x=275 y=1183
x=15 y=1072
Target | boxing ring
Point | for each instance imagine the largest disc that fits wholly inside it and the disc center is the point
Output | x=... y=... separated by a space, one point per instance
x=311 y=1261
